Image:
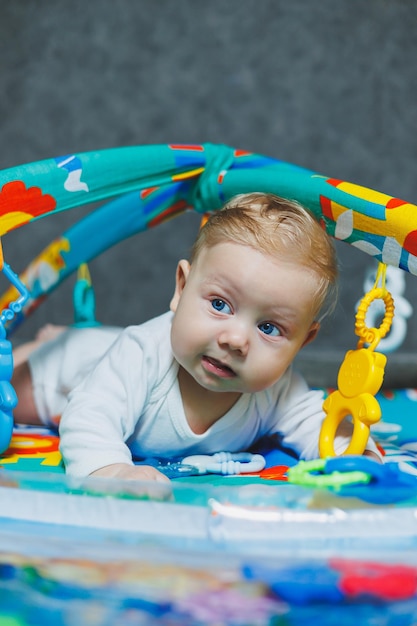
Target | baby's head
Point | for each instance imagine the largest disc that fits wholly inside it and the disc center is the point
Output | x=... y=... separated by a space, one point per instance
x=261 y=270
x=279 y=228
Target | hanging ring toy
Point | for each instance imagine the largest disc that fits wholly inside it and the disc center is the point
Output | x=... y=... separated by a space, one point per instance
x=372 y=336
x=359 y=379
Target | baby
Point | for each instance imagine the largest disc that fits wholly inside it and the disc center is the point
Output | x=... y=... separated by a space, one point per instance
x=212 y=374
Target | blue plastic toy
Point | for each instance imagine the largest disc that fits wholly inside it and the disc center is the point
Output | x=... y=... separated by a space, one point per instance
x=356 y=476
x=8 y=398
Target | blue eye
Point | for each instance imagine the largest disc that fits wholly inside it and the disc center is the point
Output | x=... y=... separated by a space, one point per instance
x=220 y=305
x=269 y=329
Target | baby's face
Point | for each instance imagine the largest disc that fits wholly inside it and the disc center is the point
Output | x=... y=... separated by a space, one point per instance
x=241 y=317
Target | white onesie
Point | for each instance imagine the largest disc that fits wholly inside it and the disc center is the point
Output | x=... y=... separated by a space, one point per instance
x=129 y=402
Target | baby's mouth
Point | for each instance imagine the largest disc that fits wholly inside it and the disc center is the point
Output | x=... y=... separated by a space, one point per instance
x=213 y=366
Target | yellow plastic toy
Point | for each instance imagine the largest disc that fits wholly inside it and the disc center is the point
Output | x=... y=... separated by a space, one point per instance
x=359 y=379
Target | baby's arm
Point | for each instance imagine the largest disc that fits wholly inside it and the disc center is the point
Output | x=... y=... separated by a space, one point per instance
x=102 y=414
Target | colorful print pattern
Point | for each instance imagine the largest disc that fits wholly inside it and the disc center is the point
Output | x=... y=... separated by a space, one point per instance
x=163 y=180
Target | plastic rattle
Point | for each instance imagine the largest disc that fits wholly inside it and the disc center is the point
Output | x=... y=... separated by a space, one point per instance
x=226 y=463
x=359 y=379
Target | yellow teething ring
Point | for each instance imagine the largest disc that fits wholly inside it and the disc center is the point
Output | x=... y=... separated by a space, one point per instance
x=369 y=335
x=360 y=378
x=359 y=438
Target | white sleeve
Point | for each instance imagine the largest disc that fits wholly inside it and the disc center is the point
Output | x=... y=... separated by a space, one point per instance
x=301 y=416
x=103 y=410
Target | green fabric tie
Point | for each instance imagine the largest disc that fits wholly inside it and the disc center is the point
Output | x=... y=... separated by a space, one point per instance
x=205 y=196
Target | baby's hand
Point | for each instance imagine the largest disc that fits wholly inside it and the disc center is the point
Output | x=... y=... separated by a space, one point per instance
x=372 y=455
x=124 y=471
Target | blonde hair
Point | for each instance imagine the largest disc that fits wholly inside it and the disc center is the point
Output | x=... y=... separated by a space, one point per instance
x=277 y=227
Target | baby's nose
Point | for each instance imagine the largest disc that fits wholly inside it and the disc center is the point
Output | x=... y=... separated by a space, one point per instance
x=235 y=338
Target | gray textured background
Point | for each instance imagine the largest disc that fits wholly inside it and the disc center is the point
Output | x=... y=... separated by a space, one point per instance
x=327 y=84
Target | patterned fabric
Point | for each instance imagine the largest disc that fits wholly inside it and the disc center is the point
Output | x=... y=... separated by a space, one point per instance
x=153 y=183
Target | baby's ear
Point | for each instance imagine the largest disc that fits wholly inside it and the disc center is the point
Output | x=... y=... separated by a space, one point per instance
x=181 y=275
x=312 y=333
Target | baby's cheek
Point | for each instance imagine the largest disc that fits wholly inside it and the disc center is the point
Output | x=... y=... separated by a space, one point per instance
x=267 y=374
x=181 y=345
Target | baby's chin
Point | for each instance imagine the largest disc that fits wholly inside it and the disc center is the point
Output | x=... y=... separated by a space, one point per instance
x=217 y=385
x=225 y=386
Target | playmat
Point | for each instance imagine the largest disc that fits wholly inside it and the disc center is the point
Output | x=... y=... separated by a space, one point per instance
x=334 y=541
x=37 y=450
x=247 y=549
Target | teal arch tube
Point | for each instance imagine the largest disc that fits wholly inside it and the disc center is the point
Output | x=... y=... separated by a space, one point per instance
x=151 y=183
x=106 y=226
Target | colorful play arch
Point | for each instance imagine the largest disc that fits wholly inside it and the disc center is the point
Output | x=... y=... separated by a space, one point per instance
x=149 y=184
